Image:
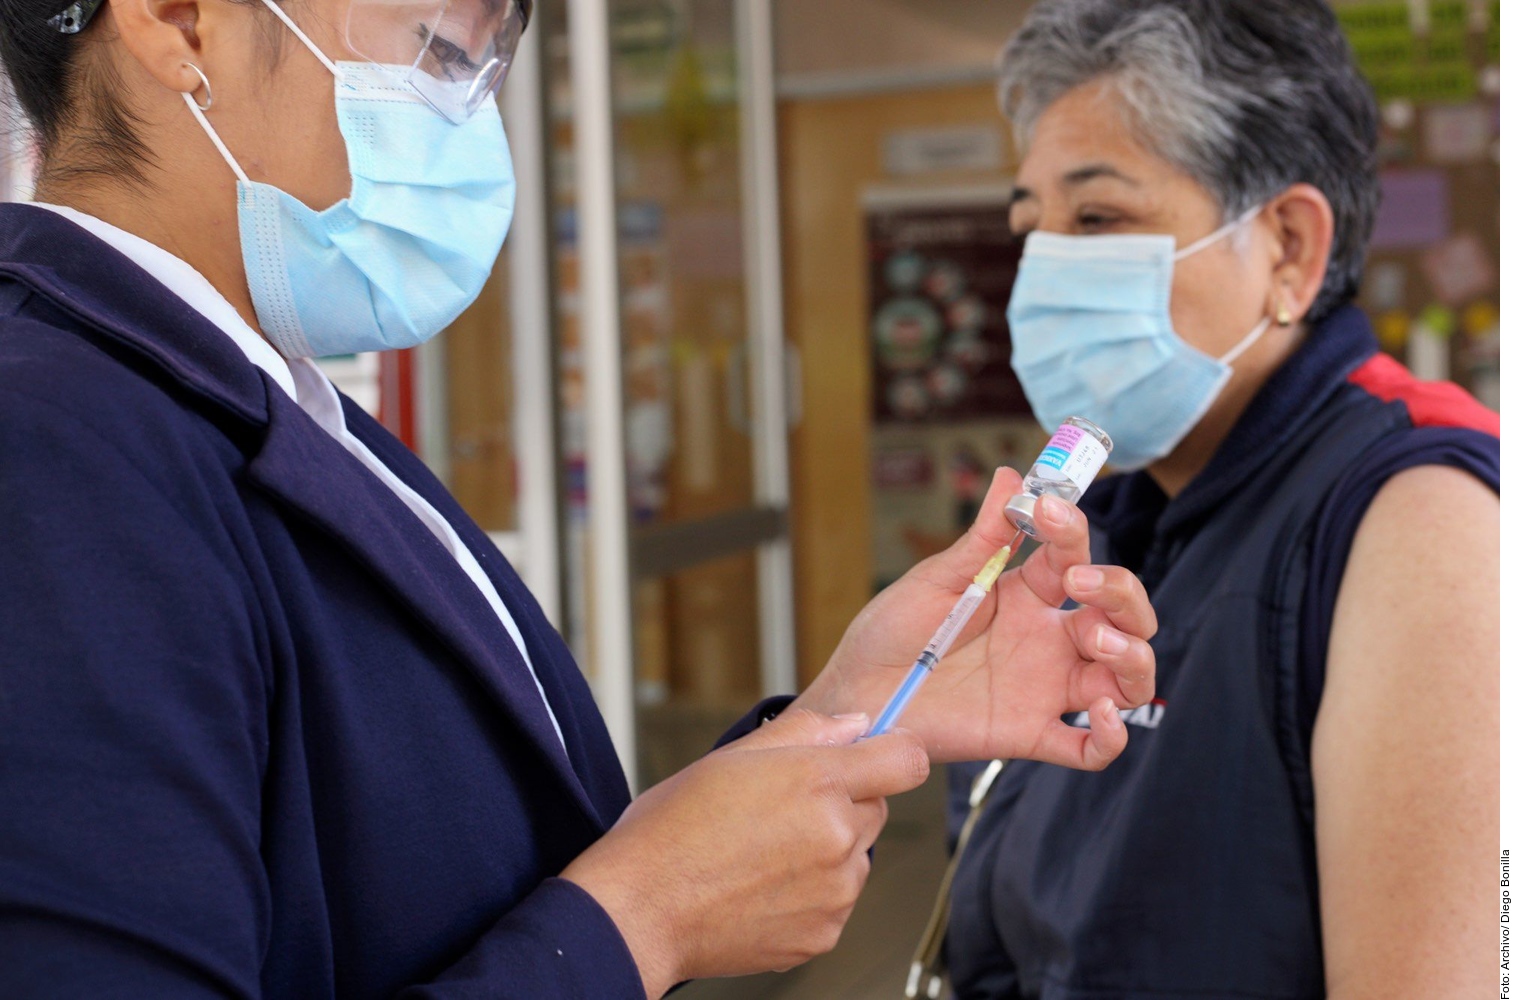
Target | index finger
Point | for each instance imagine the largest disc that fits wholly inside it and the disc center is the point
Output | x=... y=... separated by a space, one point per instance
x=1117 y=592
x=1064 y=533
x=884 y=765
x=1089 y=749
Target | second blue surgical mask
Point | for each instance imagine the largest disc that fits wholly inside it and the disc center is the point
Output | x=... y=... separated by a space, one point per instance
x=1092 y=335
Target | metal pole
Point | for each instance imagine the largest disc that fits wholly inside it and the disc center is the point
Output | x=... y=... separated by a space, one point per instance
x=610 y=637
x=765 y=322
x=533 y=373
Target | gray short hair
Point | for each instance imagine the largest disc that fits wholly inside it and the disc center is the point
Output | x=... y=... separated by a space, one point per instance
x=1245 y=97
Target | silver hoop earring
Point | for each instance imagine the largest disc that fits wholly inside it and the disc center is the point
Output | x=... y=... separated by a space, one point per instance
x=209 y=100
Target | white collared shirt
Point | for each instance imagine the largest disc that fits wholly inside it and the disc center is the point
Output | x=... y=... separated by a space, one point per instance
x=309 y=387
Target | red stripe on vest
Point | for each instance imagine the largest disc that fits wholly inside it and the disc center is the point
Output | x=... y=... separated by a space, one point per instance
x=1431 y=404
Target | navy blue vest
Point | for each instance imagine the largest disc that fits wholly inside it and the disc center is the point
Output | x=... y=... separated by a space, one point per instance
x=1187 y=868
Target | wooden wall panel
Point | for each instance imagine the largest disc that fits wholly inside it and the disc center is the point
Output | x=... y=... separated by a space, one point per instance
x=479 y=407
x=831 y=152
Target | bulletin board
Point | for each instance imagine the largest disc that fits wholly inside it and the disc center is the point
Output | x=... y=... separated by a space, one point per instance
x=946 y=406
x=940 y=273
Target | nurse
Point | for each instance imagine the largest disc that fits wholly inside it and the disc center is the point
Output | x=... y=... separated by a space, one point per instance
x=276 y=720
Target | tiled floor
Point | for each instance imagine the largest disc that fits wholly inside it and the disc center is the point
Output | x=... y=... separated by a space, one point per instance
x=874 y=953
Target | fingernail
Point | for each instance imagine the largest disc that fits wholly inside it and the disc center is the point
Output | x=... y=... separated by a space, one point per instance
x=852 y=717
x=1111 y=641
x=1056 y=510
x=1110 y=712
x=1086 y=577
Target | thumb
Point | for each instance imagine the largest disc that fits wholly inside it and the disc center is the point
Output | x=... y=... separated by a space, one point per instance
x=1006 y=483
x=990 y=529
x=885 y=765
x=800 y=727
x=991 y=524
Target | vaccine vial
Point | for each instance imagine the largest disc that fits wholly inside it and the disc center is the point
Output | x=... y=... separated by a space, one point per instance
x=1065 y=468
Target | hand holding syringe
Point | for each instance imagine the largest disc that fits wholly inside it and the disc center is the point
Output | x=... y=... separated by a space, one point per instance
x=1066 y=467
x=945 y=636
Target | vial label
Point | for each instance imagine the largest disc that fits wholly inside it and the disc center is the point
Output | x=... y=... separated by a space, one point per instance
x=1075 y=453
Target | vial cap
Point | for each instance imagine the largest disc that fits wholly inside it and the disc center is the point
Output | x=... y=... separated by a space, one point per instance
x=1020 y=509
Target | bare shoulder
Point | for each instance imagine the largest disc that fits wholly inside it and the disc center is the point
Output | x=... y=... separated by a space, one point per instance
x=1415 y=637
x=1428 y=527
x=1440 y=496
x=1416 y=628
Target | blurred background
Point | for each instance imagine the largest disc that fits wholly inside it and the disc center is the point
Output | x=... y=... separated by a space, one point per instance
x=745 y=357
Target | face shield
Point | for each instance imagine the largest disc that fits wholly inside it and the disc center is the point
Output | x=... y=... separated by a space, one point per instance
x=455 y=53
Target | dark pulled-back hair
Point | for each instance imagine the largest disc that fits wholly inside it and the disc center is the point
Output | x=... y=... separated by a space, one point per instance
x=63 y=92
x=1245 y=96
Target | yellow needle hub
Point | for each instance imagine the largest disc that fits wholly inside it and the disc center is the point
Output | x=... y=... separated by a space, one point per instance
x=993 y=568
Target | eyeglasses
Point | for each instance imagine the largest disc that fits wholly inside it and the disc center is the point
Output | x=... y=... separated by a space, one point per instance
x=455 y=53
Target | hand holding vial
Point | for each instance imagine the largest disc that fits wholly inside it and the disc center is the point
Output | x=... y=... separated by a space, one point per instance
x=1020 y=661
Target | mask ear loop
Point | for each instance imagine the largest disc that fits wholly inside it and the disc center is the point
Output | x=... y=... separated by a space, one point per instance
x=198 y=110
x=1204 y=241
x=1246 y=342
x=1219 y=234
x=302 y=36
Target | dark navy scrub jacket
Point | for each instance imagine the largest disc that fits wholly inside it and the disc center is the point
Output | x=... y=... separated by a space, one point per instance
x=259 y=734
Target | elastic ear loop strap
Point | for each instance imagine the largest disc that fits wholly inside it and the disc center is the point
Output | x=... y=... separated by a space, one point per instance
x=1219 y=234
x=194 y=109
x=1247 y=341
x=302 y=36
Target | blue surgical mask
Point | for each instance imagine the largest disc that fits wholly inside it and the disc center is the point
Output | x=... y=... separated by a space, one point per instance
x=1091 y=336
x=398 y=259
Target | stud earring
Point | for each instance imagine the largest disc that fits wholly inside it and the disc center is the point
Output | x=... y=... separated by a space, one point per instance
x=1284 y=317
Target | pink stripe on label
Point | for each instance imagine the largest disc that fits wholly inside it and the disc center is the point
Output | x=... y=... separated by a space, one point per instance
x=1066 y=438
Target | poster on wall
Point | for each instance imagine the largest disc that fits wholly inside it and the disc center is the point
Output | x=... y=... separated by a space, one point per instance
x=947 y=409
x=939 y=279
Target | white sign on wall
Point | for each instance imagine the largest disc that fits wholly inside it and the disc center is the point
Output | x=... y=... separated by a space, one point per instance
x=944 y=150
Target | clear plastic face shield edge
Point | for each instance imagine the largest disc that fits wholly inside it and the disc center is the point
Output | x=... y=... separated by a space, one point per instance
x=454 y=53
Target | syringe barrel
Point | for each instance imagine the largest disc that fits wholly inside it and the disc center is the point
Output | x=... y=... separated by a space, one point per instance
x=952 y=626
x=940 y=644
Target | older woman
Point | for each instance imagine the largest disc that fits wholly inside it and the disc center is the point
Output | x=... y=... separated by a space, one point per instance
x=1308 y=806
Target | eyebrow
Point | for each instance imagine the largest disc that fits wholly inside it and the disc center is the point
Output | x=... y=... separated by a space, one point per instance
x=1081 y=175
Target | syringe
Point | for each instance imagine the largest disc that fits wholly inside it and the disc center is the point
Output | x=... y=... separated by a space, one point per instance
x=945 y=636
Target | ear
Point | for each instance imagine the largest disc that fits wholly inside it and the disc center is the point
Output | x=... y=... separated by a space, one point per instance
x=163 y=37
x=1304 y=227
